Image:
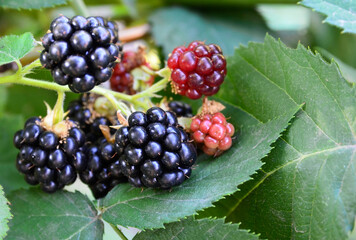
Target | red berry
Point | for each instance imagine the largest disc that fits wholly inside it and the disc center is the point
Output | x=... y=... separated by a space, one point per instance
x=225 y=143
x=122 y=80
x=217 y=131
x=212 y=132
x=187 y=61
x=198 y=136
x=205 y=126
x=230 y=130
x=194 y=126
x=211 y=142
x=178 y=76
x=201 y=67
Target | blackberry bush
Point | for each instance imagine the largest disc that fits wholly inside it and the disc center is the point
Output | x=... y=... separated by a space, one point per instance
x=46 y=158
x=154 y=150
x=80 y=52
x=197 y=70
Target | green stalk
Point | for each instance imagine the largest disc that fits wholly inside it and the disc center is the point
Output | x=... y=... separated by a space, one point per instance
x=80 y=8
x=58 y=112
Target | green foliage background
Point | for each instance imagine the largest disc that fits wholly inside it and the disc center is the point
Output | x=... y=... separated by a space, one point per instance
x=291 y=171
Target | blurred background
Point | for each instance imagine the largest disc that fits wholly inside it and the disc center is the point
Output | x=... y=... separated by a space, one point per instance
x=161 y=25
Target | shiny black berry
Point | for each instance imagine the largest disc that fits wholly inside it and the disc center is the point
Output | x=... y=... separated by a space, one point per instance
x=181 y=109
x=155 y=150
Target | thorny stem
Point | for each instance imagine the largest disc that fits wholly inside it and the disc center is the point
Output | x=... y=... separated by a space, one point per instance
x=118 y=231
x=112 y=96
x=80 y=8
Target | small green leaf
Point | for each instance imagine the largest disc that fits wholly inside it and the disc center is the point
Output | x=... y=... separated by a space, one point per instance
x=306 y=188
x=173 y=26
x=13 y=47
x=227 y=3
x=339 y=13
x=10 y=178
x=62 y=215
x=197 y=229
x=211 y=178
x=5 y=214
x=33 y=4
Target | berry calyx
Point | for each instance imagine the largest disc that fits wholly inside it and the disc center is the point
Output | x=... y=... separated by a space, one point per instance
x=197 y=70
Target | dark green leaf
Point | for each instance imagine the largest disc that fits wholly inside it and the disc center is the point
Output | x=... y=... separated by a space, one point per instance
x=33 y=4
x=62 y=215
x=10 y=178
x=306 y=188
x=210 y=180
x=5 y=214
x=197 y=229
x=339 y=13
x=177 y=26
x=13 y=47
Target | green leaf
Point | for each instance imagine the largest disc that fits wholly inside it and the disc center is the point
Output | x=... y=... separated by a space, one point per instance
x=347 y=71
x=197 y=229
x=13 y=47
x=33 y=4
x=10 y=178
x=227 y=29
x=306 y=188
x=211 y=178
x=5 y=214
x=339 y=13
x=228 y=3
x=62 y=215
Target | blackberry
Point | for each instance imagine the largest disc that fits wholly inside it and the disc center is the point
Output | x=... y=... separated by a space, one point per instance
x=181 y=109
x=154 y=150
x=47 y=159
x=102 y=172
x=80 y=52
x=122 y=80
x=197 y=70
x=212 y=133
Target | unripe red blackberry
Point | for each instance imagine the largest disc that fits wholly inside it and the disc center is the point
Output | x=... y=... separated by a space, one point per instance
x=212 y=133
x=46 y=158
x=80 y=52
x=122 y=80
x=197 y=70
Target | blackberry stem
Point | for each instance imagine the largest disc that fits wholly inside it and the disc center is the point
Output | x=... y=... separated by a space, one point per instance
x=118 y=231
x=58 y=112
x=112 y=96
x=80 y=8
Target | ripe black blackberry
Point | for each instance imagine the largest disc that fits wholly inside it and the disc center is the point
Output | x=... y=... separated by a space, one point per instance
x=46 y=158
x=82 y=112
x=181 y=109
x=81 y=52
x=102 y=172
x=154 y=150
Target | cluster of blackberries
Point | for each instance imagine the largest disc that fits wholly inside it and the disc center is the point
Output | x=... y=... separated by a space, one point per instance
x=197 y=70
x=46 y=159
x=181 y=109
x=154 y=150
x=122 y=80
x=81 y=52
